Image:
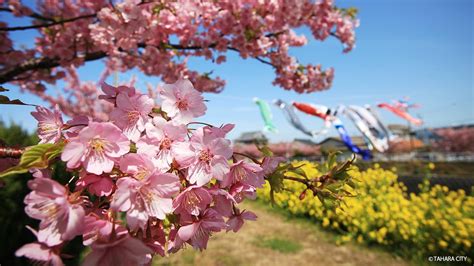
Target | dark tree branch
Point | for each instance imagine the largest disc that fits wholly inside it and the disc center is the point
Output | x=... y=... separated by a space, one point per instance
x=264 y=61
x=48 y=24
x=41 y=63
x=179 y=47
x=12 y=74
x=8 y=152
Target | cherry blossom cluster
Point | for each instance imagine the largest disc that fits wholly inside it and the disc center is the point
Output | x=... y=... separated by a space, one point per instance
x=454 y=139
x=158 y=38
x=146 y=181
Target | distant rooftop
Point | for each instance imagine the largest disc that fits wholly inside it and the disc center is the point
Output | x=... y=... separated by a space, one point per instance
x=305 y=141
x=252 y=137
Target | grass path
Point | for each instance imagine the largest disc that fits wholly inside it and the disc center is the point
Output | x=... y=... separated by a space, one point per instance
x=274 y=239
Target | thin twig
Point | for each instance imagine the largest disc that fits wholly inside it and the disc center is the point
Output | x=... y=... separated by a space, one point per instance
x=248 y=156
x=6 y=152
x=47 y=24
x=41 y=63
x=200 y=123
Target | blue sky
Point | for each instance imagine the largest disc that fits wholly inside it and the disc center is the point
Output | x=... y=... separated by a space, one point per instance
x=421 y=49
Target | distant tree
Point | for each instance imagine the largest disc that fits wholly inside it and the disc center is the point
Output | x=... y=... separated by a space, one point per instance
x=15 y=136
x=455 y=140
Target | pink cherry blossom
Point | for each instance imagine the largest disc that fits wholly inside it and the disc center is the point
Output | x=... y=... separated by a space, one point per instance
x=123 y=250
x=176 y=188
x=137 y=166
x=95 y=184
x=41 y=173
x=193 y=200
x=131 y=114
x=218 y=132
x=111 y=92
x=240 y=191
x=223 y=201
x=175 y=243
x=132 y=35
x=78 y=121
x=150 y=197
x=99 y=229
x=159 y=139
x=197 y=233
x=50 y=124
x=204 y=156
x=236 y=221
x=96 y=147
x=244 y=172
x=162 y=130
x=181 y=101
x=269 y=164
x=157 y=239
x=61 y=215
x=76 y=124
x=38 y=251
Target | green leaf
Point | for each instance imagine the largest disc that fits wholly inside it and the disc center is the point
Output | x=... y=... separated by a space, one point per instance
x=332 y=160
x=300 y=172
x=301 y=68
x=320 y=197
x=341 y=176
x=157 y=9
x=38 y=156
x=2 y=89
x=351 y=183
x=352 y=12
x=334 y=187
x=266 y=151
x=276 y=182
x=249 y=34
x=133 y=148
x=345 y=166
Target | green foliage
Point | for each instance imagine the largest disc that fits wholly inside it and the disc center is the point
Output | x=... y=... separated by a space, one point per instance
x=276 y=180
x=38 y=156
x=265 y=150
x=351 y=11
x=329 y=182
x=15 y=136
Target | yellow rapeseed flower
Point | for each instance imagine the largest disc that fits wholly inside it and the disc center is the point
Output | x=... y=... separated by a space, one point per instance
x=435 y=221
x=431 y=166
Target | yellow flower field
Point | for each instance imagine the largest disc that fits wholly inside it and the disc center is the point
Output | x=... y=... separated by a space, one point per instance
x=434 y=222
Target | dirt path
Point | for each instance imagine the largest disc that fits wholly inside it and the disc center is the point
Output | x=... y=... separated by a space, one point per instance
x=276 y=240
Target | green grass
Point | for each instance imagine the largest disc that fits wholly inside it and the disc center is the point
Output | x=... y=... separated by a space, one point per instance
x=279 y=244
x=325 y=234
x=303 y=220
